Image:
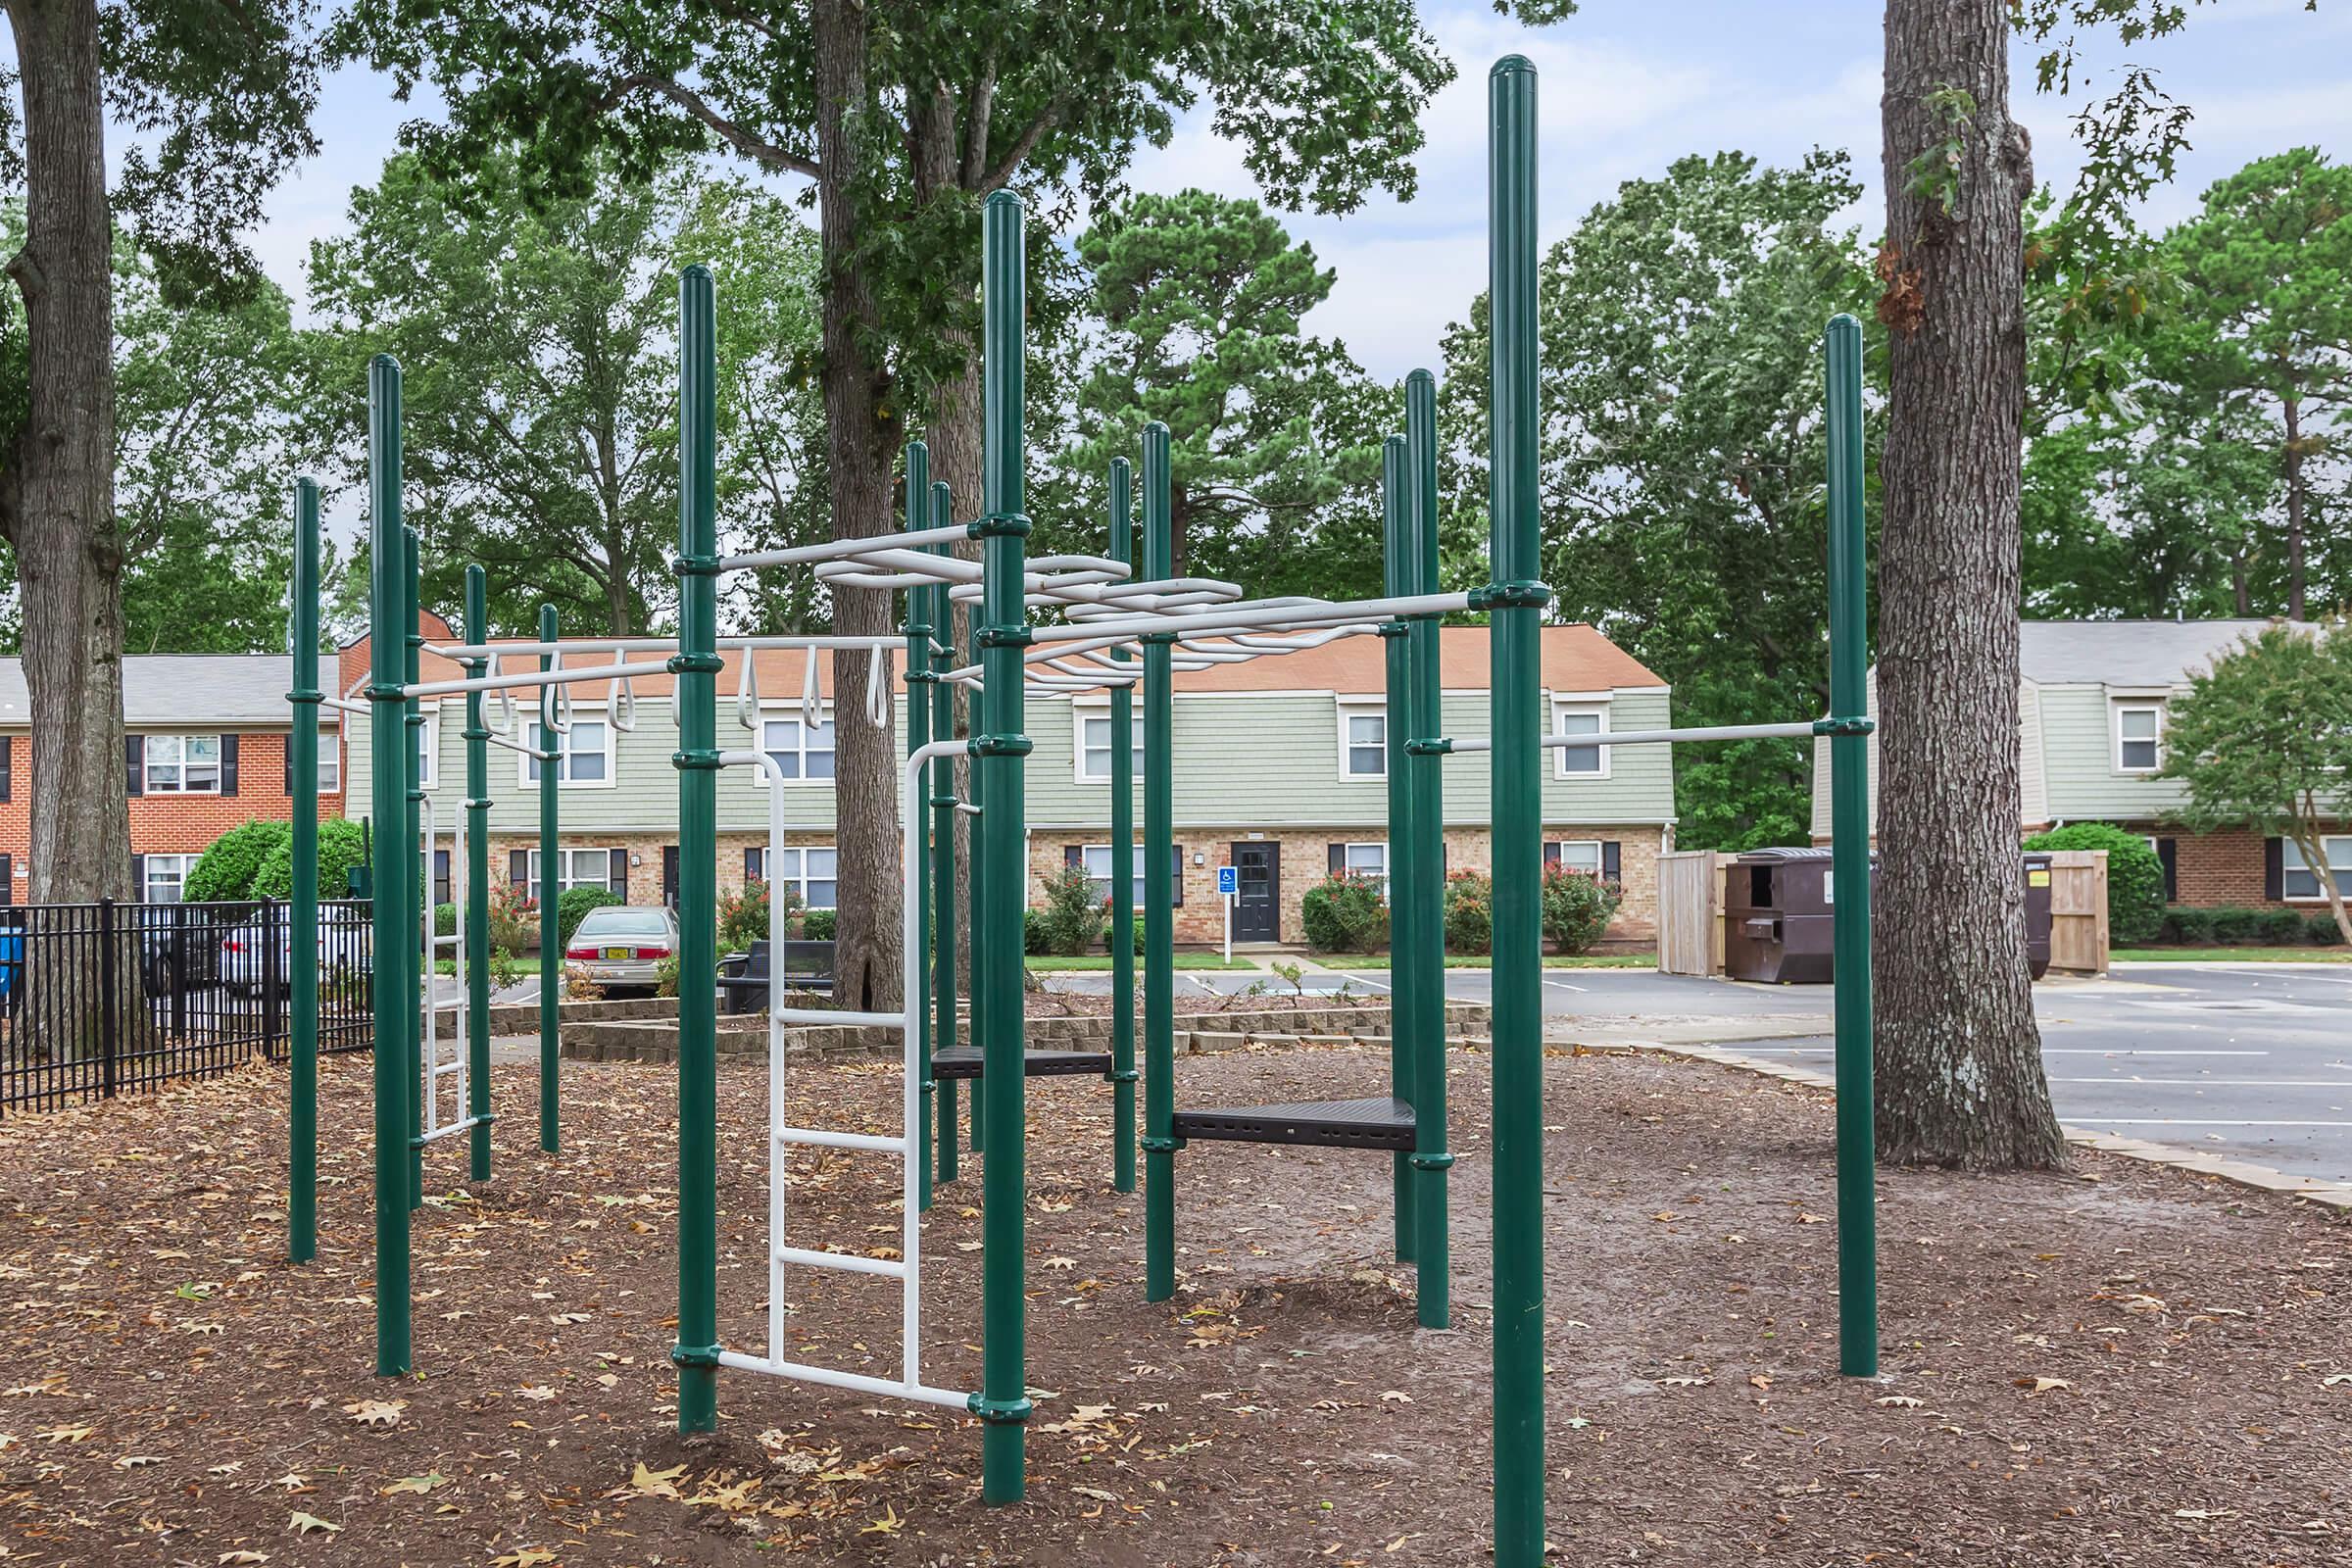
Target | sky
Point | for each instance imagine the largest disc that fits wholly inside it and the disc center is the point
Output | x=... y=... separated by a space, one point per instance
x=1627 y=86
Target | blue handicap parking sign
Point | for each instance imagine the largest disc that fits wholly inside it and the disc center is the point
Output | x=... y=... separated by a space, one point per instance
x=1229 y=881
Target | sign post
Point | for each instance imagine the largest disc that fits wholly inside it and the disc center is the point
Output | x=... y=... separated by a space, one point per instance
x=1228 y=883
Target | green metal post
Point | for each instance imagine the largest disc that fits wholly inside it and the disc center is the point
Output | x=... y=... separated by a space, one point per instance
x=943 y=832
x=1396 y=721
x=1423 y=853
x=393 y=871
x=696 y=667
x=1123 y=1076
x=1516 y=599
x=976 y=879
x=1003 y=1404
x=476 y=935
x=420 y=877
x=1159 y=917
x=1849 y=860
x=918 y=820
x=551 y=942
x=302 y=1154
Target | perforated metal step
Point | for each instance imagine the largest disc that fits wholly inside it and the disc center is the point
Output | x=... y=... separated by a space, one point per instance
x=1377 y=1123
x=963 y=1062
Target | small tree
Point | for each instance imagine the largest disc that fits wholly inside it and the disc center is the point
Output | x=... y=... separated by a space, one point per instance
x=2264 y=741
x=1346 y=913
x=228 y=869
x=1070 y=919
x=1577 y=907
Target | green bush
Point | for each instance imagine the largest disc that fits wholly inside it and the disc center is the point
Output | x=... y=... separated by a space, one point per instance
x=573 y=907
x=514 y=920
x=1033 y=933
x=817 y=924
x=2232 y=925
x=1137 y=948
x=1070 y=919
x=342 y=847
x=1469 y=912
x=2190 y=927
x=229 y=868
x=747 y=915
x=1577 y=908
x=445 y=920
x=2135 y=876
x=665 y=976
x=1345 y=913
x=2283 y=929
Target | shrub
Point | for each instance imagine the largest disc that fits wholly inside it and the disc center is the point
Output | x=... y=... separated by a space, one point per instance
x=2232 y=925
x=2191 y=927
x=1469 y=912
x=504 y=971
x=574 y=905
x=1577 y=907
x=229 y=868
x=514 y=920
x=445 y=920
x=1071 y=916
x=1345 y=913
x=577 y=987
x=2135 y=876
x=342 y=847
x=2320 y=931
x=665 y=976
x=2282 y=928
x=748 y=916
x=1033 y=933
x=1137 y=948
x=817 y=925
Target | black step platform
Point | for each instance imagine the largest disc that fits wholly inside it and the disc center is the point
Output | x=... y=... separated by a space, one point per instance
x=1379 y=1123
x=967 y=1063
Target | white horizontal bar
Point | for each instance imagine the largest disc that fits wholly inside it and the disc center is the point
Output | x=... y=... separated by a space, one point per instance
x=341 y=706
x=527 y=751
x=1244 y=616
x=801 y=1372
x=846 y=549
x=1715 y=732
x=821 y=1017
x=535 y=677
x=651 y=644
x=820 y=1138
x=847 y=1263
x=449 y=1131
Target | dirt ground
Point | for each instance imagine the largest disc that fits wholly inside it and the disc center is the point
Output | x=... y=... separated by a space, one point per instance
x=2116 y=1366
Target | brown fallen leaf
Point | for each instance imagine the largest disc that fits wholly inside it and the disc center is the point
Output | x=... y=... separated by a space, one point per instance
x=376 y=1413
x=419 y=1484
x=306 y=1524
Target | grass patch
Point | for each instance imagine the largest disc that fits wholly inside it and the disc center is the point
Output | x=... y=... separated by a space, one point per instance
x=1479 y=960
x=1101 y=961
x=2231 y=954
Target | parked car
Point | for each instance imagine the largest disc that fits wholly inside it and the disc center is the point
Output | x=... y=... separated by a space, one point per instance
x=342 y=950
x=620 y=946
x=179 y=947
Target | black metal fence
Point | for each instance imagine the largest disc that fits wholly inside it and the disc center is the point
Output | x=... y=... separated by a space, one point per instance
x=106 y=999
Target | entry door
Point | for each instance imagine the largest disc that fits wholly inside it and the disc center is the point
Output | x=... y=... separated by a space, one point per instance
x=1257 y=899
x=669 y=875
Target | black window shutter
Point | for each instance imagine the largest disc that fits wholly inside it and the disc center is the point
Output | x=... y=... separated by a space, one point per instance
x=1073 y=855
x=288 y=751
x=2168 y=856
x=751 y=862
x=441 y=876
x=2274 y=869
x=518 y=868
x=7 y=765
x=139 y=875
x=1176 y=877
x=1608 y=860
x=134 y=763
x=7 y=879
x=1334 y=858
x=229 y=764
x=618 y=880
x=1551 y=852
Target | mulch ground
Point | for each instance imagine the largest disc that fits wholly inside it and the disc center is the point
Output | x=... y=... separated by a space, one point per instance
x=2119 y=1365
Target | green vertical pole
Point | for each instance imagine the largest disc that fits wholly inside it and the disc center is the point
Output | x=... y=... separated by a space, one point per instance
x=918 y=817
x=976 y=890
x=476 y=931
x=1123 y=1076
x=1159 y=917
x=1003 y=1404
x=696 y=667
x=1425 y=851
x=943 y=831
x=1849 y=860
x=551 y=942
x=302 y=1154
x=1396 y=721
x=1516 y=599
x=420 y=866
x=393 y=871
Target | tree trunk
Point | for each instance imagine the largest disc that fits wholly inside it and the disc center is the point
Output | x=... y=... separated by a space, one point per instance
x=61 y=516
x=1958 y=1054
x=860 y=436
x=2293 y=407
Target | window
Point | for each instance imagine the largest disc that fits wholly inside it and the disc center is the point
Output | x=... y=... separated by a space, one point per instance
x=1367 y=861
x=802 y=751
x=183 y=764
x=2137 y=728
x=429 y=751
x=806 y=869
x=330 y=761
x=2299 y=883
x=578 y=868
x=1580 y=761
x=1097 y=859
x=165 y=874
x=584 y=757
x=1093 y=746
x=1577 y=854
x=1364 y=742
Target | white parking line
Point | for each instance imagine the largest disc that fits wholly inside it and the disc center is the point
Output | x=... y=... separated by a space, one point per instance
x=2200 y=1121
x=1565 y=986
x=2220 y=1083
x=1360 y=980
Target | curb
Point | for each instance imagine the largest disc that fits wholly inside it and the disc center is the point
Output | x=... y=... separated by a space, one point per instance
x=2333 y=1194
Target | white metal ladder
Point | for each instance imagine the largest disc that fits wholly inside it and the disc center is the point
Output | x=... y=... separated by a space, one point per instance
x=907 y=1268
x=432 y=1068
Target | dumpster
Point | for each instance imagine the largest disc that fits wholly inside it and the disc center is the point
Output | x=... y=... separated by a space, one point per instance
x=1778 y=920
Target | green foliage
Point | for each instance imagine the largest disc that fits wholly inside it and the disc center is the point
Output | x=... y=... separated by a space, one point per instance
x=1070 y=919
x=514 y=920
x=573 y=907
x=1469 y=912
x=2135 y=876
x=816 y=926
x=745 y=915
x=1577 y=907
x=1684 y=455
x=665 y=976
x=504 y=970
x=1111 y=932
x=2226 y=925
x=342 y=847
x=1033 y=933
x=229 y=869
x=445 y=920
x=1345 y=913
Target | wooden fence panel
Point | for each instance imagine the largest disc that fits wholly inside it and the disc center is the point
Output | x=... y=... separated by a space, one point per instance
x=1689 y=913
x=2078 y=910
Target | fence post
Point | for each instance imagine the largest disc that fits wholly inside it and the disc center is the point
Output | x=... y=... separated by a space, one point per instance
x=273 y=1020
x=107 y=1023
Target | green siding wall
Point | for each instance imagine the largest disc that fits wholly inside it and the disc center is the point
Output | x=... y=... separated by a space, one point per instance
x=2079 y=758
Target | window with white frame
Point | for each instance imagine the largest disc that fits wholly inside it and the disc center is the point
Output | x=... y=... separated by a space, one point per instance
x=806 y=869
x=1093 y=746
x=579 y=868
x=1097 y=859
x=802 y=751
x=2138 y=737
x=429 y=751
x=1580 y=718
x=583 y=757
x=2300 y=884
x=1363 y=741
x=164 y=875
x=330 y=761
x=1577 y=854
x=1369 y=861
x=183 y=764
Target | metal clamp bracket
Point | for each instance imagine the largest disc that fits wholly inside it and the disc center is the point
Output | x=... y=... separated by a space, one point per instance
x=1159 y=1145
x=1510 y=596
x=694 y=1355
x=1000 y=525
x=1853 y=725
x=1392 y=628
x=1003 y=637
x=999 y=1413
x=701 y=762
x=306 y=697
x=1130 y=1076
x=695 y=565
x=1433 y=1163
x=378 y=692
x=694 y=664
x=1000 y=745
x=1436 y=748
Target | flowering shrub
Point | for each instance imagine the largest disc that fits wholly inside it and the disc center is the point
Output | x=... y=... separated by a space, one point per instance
x=1071 y=920
x=1345 y=913
x=1578 y=906
x=1469 y=912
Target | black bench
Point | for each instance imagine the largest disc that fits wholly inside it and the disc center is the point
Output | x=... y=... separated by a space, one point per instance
x=743 y=977
x=966 y=1062
x=1376 y=1123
